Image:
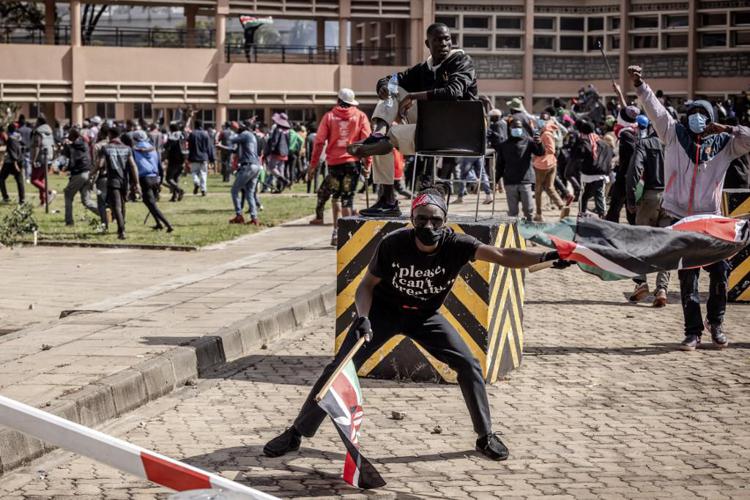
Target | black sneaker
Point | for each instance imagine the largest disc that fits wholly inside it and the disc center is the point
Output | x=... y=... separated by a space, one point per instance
x=717 y=335
x=196 y=187
x=491 y=447
x=374 y=145
x=382 y=210
x=690 y=343
x=287 y=441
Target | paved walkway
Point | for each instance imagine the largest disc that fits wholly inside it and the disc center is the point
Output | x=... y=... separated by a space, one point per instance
x=141 y=303
x=602 y=407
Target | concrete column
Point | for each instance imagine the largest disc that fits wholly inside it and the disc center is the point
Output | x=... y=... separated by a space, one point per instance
x=49 y=21
x=528 y=57
x=624 y=46
x=190 y=11
x=221 y=114
x=77 y=110
x=692 y=67
x=220 y=25
x=75 y=23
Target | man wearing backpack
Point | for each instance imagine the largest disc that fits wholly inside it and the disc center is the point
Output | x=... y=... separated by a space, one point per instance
x=277 y=152
x=175 y=161
x=591 y=157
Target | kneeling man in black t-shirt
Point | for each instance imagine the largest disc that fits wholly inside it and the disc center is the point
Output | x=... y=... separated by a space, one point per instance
x=406 y=283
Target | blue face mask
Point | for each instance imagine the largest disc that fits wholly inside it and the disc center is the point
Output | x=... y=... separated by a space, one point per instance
x=540 y=123
x=516 y=132
x=697 y=123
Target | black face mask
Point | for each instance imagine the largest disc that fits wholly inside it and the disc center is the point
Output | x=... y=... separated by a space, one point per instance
x=428 y=236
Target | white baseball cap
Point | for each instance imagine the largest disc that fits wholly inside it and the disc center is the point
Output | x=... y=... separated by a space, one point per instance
x=347 y=96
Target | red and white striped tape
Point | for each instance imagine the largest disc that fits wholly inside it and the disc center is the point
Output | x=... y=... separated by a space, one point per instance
x=114 y=452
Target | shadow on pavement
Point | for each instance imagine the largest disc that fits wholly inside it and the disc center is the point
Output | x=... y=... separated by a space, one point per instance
x=649 y=350
x=579 y=302
x=234 y=459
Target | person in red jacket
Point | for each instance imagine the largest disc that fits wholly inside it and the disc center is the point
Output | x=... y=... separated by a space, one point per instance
x=341 y=126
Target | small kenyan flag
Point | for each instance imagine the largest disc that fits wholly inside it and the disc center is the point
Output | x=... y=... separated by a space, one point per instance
x=343 y=403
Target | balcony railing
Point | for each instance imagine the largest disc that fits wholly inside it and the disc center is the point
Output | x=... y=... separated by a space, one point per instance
x=235 y=50
x=295 y=54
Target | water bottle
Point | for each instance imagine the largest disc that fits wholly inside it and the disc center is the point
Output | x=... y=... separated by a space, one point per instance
x=392 y=89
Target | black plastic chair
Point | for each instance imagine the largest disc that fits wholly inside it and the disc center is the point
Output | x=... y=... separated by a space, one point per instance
x=453 y=129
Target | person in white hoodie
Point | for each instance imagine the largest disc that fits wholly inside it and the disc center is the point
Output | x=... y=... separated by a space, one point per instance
x=696 y=159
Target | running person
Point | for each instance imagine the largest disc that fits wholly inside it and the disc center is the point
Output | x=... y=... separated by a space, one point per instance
x=406 y=282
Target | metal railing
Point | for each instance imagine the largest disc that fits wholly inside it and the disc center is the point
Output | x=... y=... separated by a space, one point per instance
x=295 y=54
x=377 y=56
x=33 y=35
x=112 y=36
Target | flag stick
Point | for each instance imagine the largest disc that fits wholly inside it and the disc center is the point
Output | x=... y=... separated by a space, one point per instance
x=339 y=368
x=601 y=49
x=540 y=266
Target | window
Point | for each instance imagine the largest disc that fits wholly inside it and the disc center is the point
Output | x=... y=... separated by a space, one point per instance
x=741 y=18
x=713 y=40
x=645 y=22
x=68 y=109
x=544 y=42
x=571 y=43
x=142 y=110
x=593 y=43
x=614 y=42
x=476 y=42
x=714 y=19
x=571 y=24
x=507 y=42
x=454 y=39
x=206 y=116
x=238 y=115
x=544 y=23
x=595 y=23
x=450 y=21
x=645 y=42
x=675 y=22
x=675 y=41
x=614 y=23
x=476 y=22
x=34 y=110
x=105 y=110
x=508 y=23
x=741 y=39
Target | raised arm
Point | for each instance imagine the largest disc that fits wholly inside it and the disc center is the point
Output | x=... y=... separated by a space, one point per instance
x=660 y=118
x=514 y=258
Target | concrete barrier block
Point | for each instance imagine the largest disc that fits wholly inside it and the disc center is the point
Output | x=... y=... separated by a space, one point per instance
x=158 y=376
x=231 y=341
x=17 y=448
x=269 y=327
x=285 y=320
x=250 y=335
x=209 y=353
x=301 y=311
x=184 y=364
x=128 y=390
x=94 y=404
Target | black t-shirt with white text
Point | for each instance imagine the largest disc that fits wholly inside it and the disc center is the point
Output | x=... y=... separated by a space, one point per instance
x=416 y=280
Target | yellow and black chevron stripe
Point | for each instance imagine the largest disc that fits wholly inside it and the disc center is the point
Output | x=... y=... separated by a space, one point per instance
x=485 y=304
x=736 y=203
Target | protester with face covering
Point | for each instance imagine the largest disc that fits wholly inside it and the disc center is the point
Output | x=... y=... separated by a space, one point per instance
x=150 y=174
x=408 y=279
x=514 y=167
x=79 y=165
x=626 y=131
x=173 y=150
x=697 y=157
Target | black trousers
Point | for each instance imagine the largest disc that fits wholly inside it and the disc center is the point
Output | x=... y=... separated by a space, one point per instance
x=116 y=203
x=430 y=330
x=173 y=178
x=617 y=202
x=593 y=190
x=9 y=170
x=149 y=190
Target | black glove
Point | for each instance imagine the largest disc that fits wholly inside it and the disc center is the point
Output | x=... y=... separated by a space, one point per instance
x=562 y=264
x=362 y=328
x=558 y=262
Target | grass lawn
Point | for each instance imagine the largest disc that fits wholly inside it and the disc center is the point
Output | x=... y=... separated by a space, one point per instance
x=198 y=221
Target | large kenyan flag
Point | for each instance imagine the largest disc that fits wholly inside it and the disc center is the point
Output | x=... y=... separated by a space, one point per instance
x=617 y=251
x=343 y=403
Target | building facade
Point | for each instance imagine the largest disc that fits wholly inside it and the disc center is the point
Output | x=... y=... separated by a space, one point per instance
x=538 y=49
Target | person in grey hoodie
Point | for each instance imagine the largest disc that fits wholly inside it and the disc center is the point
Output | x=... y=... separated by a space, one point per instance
x=697 y=157
x=42 y=152
x=150 y=174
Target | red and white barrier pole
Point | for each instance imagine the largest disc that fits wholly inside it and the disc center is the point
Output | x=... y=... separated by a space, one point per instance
x=114 y=452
